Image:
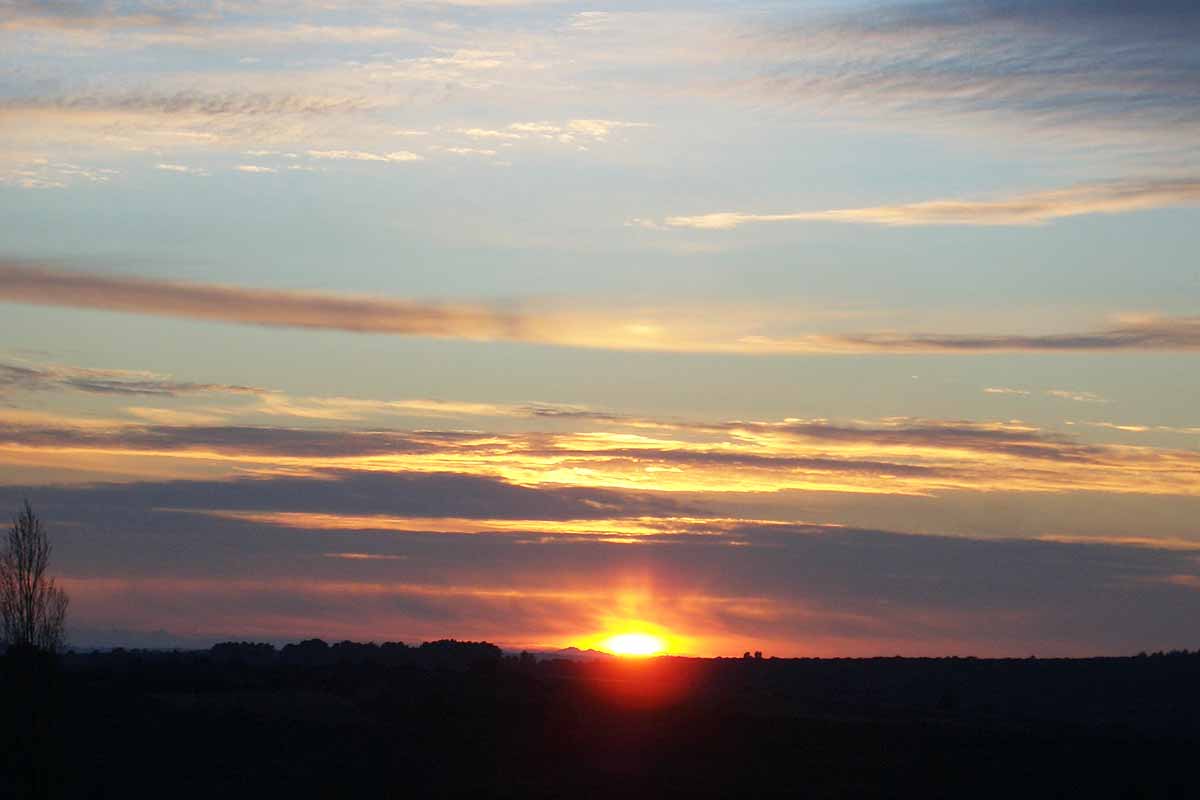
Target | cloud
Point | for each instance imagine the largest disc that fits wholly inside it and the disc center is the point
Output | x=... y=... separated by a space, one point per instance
x=1006 y=390
x=797 y=589
x=1134 y=428
x=26 y=283
x=1012 y=438
x=910 y=457
x=484 y=133
x=356 y=155
x=1147 y=333
x=1084 y=68
x=24 y=377
x=465 y=151
x=364 y=493
x=251 y=306
x=44 y=173
x=726 y=459
x=577 y=132
x=357 y=408
x=601 y=128
x=255 y=169
x=573 y=129
x=465 y=67
x=1028 y=209
x=146 y=23
x=183 y=102
x=86 y=15
x=174 y=416
x=1079 y=397
x=29 y=377
x=354 y=408
x=365 y=556
x=421 y=528
x=166 y=119
x=241 y=442
x=625 y=530
x=183 y=169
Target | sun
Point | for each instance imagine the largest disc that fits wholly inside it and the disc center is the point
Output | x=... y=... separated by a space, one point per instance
x=634 y=644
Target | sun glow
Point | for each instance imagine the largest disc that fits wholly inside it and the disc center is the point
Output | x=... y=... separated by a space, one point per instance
x=634 y=644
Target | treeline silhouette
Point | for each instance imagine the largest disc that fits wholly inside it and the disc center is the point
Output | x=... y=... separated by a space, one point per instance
x=451 y=719
x=444 y=653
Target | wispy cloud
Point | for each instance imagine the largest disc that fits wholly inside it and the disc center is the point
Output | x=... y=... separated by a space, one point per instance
x=571 y=131
x=574 y=129
x=612 y=329
x=252 y=306
x=170 y=122
x=1135 y=428
x=1036 y=208
x=44 y=173
x=1078 y=397
x=34 y=15
x=486 y=133
x=183 y=102
x=358 y=155
x=40 y=378
x=353 y=408
x=1149 y=333
x=464 y=151
x=183 y=169
x=886 y=457
x=391 y=494
x=1108 y=67
x=366 y=556
x=145 y=23
x=1006 y=390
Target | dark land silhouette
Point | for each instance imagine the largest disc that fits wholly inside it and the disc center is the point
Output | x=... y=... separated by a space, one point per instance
x=451 y=719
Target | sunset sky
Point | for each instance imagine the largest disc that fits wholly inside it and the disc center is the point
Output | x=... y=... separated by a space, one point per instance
x=831 y=328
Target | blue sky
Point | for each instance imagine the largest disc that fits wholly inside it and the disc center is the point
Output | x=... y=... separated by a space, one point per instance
x=920 y=269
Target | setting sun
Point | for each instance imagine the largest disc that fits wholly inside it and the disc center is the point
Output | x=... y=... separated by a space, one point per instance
x=634 y=644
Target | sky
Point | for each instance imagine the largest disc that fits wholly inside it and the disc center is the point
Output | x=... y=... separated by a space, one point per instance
x=843 y=328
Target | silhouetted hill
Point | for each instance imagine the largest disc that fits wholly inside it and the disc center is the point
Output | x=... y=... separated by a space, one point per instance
x=574 y=653
x=459 y=718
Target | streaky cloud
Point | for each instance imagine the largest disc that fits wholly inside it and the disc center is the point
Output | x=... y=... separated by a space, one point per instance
x=185 y=101
x=24 y=377
x=1078 y=397
x=402 y=494
x=1112 y=70
x=898 y=457
x=1036 y=208
x=1154 y=333
x=847 y=589
x=358 y=155
x=274 y=308
x=22 y=282
x=89 y=15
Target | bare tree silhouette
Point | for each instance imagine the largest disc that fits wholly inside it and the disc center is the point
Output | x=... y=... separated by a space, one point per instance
x=33 y=611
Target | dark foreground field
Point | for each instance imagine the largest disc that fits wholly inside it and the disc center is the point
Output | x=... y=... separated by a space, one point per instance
x=461 y=720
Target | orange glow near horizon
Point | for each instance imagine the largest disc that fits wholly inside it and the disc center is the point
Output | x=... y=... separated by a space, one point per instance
x=635 y=645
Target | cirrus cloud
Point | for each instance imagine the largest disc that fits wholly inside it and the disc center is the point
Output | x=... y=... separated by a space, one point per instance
x=1108 y=71
x=1036 y=208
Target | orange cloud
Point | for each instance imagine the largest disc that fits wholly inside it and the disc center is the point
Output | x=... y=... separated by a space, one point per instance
x=895 y=456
